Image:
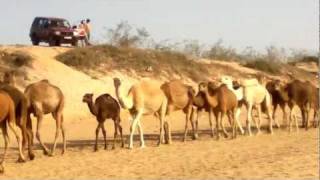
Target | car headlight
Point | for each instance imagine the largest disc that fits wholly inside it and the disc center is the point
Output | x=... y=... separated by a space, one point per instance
x=57 y=33
x=75 y=33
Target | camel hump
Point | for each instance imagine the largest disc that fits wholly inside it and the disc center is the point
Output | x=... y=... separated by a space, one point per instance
x=249 y=82
x=45 y=81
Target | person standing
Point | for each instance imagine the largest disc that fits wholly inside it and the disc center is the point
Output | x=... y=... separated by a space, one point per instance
x=87 y=27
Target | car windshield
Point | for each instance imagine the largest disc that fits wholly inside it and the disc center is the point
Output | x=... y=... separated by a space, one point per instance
x=60 y=23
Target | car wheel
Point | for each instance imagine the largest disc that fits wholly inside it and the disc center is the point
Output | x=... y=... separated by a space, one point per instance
x=52 y=42
x=35 y=41
x=57 y=43
x=75 y=43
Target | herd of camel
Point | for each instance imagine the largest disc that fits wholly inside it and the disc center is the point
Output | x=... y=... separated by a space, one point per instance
x=221 y=97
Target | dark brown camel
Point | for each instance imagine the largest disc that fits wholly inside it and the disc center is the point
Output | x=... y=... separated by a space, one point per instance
x=179 y=97
x=7 y=117
x=21 y=106
x=299 y=94
x=44 y=98
x=105 y=107
x=277 y=100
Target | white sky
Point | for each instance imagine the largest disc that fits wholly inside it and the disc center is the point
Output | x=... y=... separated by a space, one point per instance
x=240 y=23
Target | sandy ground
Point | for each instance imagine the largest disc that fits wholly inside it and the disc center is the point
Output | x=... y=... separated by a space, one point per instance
x=282 y=155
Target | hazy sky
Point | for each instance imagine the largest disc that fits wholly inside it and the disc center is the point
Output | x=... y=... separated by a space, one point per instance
x=240 y=23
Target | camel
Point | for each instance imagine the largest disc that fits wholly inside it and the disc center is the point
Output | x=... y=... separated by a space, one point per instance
x=143 y=98
x=21 y=106
x=7 y=118
x=222 y=101
x=44 y=98
x=256 y=95
x=105 y=107
x=180 y=97
x=299 y=94
x=277 y=100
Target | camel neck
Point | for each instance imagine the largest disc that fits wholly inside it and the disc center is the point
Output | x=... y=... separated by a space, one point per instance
x=92 y=108
x=124 y=100
x=211 y=99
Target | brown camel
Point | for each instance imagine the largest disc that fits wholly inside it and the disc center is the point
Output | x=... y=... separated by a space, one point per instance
x=143 y=98
x=299 y=94
x=21 y=106
x=44 y=98
x=105 y=107
x=222 y=101
x=7 y=117
x=179 y=97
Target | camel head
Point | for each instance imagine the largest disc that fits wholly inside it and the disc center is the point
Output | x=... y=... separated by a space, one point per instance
x=278 y=85
x=87 y=98
x=116 y=82
x=203 y=87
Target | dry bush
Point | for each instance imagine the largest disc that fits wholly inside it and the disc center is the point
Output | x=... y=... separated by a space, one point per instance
x=16 y=59
x=131 y=58
x=265 y=66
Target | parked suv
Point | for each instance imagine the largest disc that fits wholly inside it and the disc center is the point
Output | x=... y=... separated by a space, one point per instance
x=54 y=31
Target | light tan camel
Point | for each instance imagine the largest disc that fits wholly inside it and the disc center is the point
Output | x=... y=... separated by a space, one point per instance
x=143 y=98
x=7 y=117
x=44 y=98
x=180 y=97
x=256 y=95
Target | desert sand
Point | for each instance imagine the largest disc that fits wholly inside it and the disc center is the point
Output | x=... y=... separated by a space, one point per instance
x=282 y=155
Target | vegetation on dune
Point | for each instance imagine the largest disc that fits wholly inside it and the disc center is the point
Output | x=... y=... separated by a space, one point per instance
x=16 y=59
x=140 y=60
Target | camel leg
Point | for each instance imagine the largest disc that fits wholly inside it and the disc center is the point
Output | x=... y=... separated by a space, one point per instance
x=6 y=143
x=115 y=134
x=189 y=116
x=291 y=117
x=142 y=144
x=133 y=127
x=163 y=111
x=185 y=128
x=303 y=114
x=284 y=115
x=225 y=133
x=18 y=134
x=38 y=136
x=234 y=125
x=308 y=114
x=104 y=132
x=120 y=130
x=210 y=122
x=274 y=111
x=237 y=116
x=193 y=122
x=97 y=137
x=249 y=118
x=271 y=120
x=258 y=123
x=57 y=117
x=63 y=131
x=296 y=122
x=315 y=120
x=30 y=137
x=218 y=125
